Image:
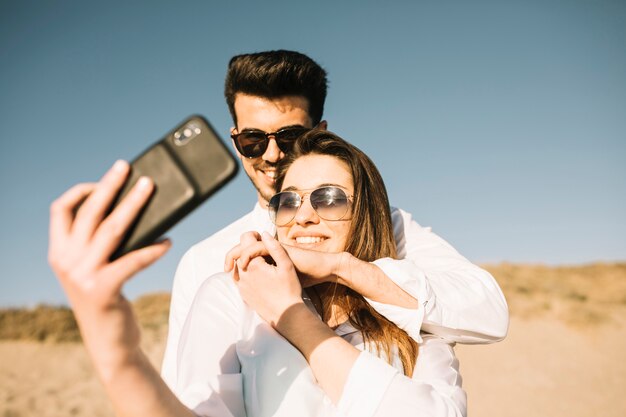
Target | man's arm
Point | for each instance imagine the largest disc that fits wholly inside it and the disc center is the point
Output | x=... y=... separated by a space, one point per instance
x=433 y=288
x=462 y=302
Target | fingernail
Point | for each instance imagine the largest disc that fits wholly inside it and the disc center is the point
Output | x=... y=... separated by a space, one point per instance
x=267 y=237
x=143 y=182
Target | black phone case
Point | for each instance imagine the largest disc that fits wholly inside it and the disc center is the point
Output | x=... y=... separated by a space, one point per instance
x=187 y=166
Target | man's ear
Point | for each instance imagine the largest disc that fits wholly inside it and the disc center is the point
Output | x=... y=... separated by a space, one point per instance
x=236 y=150
x=233 y=130
x=323 y=125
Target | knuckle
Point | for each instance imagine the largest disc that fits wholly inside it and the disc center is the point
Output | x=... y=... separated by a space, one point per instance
x=53 y=261
x=138 y=262
x=113 y=227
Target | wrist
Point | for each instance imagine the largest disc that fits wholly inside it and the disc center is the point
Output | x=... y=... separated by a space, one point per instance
x=341 y=272
x=112 y=367
x=292 y=318
x=285 y=314
x=303 y=329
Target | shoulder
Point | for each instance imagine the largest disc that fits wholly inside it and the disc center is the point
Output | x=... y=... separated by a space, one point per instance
x=403 y=221
x=220 y=285
x=223 y=240
x=399 y=215
x=206 y=257
x=232 y=232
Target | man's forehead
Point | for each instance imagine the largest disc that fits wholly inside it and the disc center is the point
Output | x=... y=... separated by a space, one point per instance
x=256 y=112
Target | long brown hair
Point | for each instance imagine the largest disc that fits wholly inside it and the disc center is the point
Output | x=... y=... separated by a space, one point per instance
x=370 y=238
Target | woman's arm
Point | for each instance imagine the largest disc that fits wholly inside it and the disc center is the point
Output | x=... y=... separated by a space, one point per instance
x=358 y=382
x=275 y=293
x=81 y=242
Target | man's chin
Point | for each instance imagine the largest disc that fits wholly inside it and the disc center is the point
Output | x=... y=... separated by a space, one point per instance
x=265 y=191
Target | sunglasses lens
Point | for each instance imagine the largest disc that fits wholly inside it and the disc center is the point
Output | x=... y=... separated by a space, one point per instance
x=251 y=144
x=287 y=137
x=330 y=203
x=283 y=207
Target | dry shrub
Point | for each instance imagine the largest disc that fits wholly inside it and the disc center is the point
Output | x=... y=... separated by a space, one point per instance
x=152 y=310
x=57 y=324
x=42 y=323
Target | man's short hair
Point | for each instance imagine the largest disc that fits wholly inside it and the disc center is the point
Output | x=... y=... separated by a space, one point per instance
x=275 y=74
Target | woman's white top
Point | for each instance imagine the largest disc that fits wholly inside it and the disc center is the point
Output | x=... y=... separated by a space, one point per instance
x=232 y=363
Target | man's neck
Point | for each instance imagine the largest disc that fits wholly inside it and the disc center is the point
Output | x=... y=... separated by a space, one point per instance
x=262 y=202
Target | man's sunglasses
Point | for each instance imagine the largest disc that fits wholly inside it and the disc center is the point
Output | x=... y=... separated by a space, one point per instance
x=330 y=203
x=253 y=143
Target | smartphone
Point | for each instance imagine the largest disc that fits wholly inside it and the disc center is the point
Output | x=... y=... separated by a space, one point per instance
x=187 y=166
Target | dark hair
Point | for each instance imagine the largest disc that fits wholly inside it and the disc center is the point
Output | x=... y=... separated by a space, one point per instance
x=274 y=74
x=370 y=237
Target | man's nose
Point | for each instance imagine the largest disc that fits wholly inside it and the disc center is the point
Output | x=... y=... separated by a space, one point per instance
x=273 y=152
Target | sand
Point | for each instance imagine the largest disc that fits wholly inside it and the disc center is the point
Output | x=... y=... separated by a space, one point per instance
x=562 y=356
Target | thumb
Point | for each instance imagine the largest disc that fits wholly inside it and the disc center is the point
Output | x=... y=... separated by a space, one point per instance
x=122 y=269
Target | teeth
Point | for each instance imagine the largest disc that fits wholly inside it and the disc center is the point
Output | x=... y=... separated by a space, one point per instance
x=271 y=174
x=309 y=239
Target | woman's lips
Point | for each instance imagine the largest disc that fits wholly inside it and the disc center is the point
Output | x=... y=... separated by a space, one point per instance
x=309 y=239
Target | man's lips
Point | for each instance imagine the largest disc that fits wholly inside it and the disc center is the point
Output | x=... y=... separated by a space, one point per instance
x=267 y=171
x=270 y=174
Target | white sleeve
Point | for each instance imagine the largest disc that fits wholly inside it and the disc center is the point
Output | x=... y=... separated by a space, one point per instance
x=458 y=300
x=376 y=389
x=209 y=378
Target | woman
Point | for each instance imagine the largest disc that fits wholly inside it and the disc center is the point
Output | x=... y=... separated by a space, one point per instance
x=252 y=344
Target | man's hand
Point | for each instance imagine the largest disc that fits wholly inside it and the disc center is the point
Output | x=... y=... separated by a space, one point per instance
x=81 y=242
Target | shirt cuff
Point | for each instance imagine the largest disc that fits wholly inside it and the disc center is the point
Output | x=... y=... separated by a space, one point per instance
x=412 y=280
x=366 y=386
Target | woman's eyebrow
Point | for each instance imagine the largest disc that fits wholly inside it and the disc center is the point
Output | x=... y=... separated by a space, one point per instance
x=326 y=184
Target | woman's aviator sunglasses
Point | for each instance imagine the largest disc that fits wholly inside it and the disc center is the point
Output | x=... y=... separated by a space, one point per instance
x=253 y=143
x=330 y=203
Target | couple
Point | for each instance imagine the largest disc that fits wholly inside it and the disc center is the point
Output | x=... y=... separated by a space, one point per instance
x=253 y=342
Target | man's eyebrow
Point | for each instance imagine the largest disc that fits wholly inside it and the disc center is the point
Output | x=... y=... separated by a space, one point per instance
x=243 y=129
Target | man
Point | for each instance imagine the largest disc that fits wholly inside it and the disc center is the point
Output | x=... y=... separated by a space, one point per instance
x=274 y=97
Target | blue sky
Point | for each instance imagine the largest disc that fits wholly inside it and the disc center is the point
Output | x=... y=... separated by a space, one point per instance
x=501 y=124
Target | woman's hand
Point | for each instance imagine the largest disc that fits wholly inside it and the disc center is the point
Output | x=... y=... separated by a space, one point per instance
x=269 y=289
x=81 y=242
x=313 y=267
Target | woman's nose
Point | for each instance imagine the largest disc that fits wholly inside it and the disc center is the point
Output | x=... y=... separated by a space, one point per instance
x=306 y=213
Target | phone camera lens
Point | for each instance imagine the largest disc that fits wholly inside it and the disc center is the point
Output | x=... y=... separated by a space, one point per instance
x=184 y=135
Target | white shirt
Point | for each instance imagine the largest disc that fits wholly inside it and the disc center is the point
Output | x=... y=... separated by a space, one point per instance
x=458 y=301
x=232 y=363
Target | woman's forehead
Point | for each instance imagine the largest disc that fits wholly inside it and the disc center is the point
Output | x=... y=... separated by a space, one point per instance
x=314 y=170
